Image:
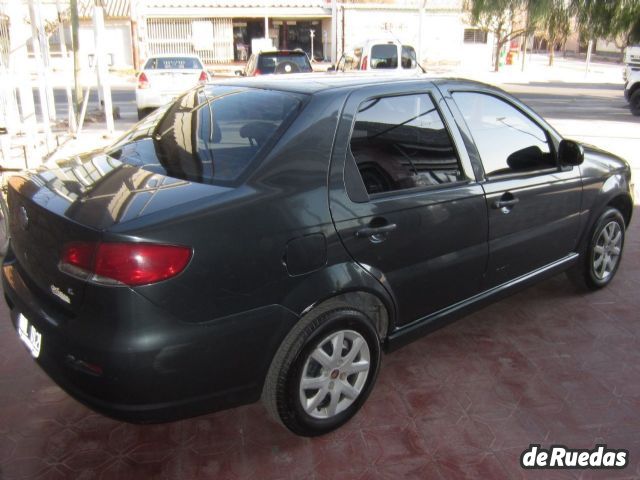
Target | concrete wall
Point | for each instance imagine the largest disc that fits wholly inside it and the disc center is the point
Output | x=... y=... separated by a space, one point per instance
x=442 y=30
x=118 y=43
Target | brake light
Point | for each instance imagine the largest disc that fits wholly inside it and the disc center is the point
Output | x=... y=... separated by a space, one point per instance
x=130 y=264
x=203 y=77
x=143 y=81
x=364 y=63
x=257 y=72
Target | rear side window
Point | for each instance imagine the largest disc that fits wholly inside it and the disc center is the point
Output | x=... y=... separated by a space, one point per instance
x=384 y=56
x=400 y=143
x=507 y=140
x=408 y=57
x=283 y=63
x=209 y=135
x=173 y=63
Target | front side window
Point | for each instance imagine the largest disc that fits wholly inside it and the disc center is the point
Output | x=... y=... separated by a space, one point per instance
x=384 y=56
x=507 y=140
x=401 y=143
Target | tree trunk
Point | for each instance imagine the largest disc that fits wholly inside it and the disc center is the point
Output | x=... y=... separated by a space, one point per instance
x=552 y=52
x=499 y=43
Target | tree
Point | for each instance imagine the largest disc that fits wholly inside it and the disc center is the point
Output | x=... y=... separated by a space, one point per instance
x=555 y=24
x=497 y=16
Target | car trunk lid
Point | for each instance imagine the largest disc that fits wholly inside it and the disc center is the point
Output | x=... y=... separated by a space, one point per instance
x=80 y=203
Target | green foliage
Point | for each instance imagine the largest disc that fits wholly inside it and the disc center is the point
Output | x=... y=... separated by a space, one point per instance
x=610 y=19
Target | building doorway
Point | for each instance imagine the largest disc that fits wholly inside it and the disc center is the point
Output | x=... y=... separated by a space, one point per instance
x=245 y=30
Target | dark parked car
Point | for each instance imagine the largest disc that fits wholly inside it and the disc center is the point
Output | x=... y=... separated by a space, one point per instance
x=270 y=237
x=276 y=62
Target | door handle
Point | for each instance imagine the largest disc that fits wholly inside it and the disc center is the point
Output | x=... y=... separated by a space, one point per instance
x=375 y=231
x=505 y=203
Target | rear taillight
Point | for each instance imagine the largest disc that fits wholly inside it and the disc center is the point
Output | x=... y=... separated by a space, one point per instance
x=203 y=77
x=257 y=72
x=364 y=63
x=143 y=81
x=123 y=263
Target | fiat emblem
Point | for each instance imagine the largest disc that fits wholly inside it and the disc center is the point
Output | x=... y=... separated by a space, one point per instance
x=23 y=217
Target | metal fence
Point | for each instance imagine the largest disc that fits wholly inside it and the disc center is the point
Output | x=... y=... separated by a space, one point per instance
x=210 y=38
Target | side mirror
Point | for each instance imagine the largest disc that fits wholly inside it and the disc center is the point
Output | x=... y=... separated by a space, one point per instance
x=332 y=68
x=570 y=153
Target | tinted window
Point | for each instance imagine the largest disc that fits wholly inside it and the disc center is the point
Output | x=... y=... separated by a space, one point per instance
x=400 y=143
x=283 y=63
x=384 y=56
x=173 y=63
x=507 y=140
x=408 y=57
x=208 y=135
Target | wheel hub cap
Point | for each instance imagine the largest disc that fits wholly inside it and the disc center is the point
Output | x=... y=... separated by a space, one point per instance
x=606 y=252
x=334 y=374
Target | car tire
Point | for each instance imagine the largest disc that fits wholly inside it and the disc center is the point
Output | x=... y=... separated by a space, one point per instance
x=603 y=254
x=143 y=112
x=634 y=102
x=4 y=227
x=311 y=388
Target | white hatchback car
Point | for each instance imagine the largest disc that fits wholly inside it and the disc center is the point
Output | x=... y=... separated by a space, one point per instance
x=164 y=77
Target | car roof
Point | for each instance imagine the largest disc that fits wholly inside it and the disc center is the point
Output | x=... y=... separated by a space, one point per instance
x=174 y=55
x=288 y=52
x=310 y=83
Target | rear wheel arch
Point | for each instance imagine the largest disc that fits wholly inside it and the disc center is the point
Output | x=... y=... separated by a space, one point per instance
x=375 y=308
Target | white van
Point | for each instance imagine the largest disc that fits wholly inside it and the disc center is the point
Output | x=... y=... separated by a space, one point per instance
x=631 y=61
x=387 y=55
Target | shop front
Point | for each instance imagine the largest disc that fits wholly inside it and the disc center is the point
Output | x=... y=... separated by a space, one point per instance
x=234 y=27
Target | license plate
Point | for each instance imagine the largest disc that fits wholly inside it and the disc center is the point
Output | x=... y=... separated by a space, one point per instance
x=29 y=336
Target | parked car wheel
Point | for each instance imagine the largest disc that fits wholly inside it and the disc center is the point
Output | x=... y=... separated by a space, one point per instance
x=323 y=371
x=634 y=102
x=4 y=227
x=604 y=252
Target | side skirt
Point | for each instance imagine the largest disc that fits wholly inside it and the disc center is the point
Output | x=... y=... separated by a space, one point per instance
x=418 y=328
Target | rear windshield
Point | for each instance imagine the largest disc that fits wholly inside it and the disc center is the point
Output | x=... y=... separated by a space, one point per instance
x=384 y=56
x=209 y=135
x=173 y=63
x=294 y=62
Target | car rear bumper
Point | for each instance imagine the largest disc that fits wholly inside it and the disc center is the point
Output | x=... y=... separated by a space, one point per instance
x=142 y=374
x=152 y=98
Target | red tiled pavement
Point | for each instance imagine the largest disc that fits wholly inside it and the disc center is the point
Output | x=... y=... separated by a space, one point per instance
x=547 y=365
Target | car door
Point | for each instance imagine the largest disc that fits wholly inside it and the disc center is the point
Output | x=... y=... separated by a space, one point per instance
x=533 y=202
x=404 y=199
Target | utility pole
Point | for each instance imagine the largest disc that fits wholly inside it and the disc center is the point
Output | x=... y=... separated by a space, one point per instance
x=101 y=64
x=18 y=58
x=46 y=60
x=312 y=34
x=135 y=50
x=75 y=45
x=589 y=49
x=36 y=38
x=526 y=35
x=63 y=53
x=334 y=32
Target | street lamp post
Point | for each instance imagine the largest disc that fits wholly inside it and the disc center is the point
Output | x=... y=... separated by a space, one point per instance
x=312 y=34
